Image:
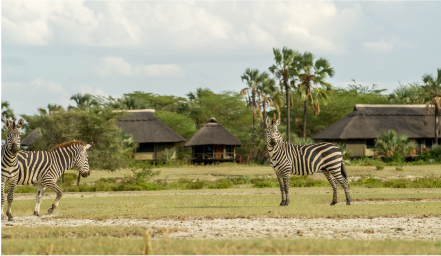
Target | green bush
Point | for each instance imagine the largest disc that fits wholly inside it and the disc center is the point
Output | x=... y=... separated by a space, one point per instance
x=379 y=166
x=223 y=183
x=399 y=169
x=69 y=178
x=264 y=184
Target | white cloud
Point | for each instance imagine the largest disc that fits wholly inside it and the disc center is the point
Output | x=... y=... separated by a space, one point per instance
x=115 y=66
x=166 y=26
x=48 y=86
x=83 y=89
x=380 y=47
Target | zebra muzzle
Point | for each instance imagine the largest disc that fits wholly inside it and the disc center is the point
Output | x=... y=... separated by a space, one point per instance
x=14 y=148
x=273 y=142
x=85 y=174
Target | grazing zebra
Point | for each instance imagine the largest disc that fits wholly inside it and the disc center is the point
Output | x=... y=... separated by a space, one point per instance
x=45 y=167
x=9 y=161
x=289 y=159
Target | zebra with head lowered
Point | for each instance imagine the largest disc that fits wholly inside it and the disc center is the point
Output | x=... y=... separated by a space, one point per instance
x=287 y=159
x=10 y=162
x=45 y=167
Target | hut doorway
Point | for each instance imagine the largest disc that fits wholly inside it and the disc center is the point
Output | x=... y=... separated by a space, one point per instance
x=219 y=151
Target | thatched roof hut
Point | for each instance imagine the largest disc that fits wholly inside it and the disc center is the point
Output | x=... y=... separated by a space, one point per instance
x=146 y=128
x=26 y=141
x=154 y=137
x=361 y=127
x=213 y=142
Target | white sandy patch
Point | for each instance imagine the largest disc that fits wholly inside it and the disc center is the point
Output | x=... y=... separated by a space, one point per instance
x=291 y=228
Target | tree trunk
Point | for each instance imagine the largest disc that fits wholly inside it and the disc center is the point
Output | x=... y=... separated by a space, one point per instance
x=305 y=108
x=287 y=113
x=264 y=119
x=436 y=124
x=253 y=96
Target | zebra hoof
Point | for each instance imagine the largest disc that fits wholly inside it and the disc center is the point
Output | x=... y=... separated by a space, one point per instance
x=11 y=219
x=348 y=203
x=36 y=213
x=333 y=203
x=50 y=211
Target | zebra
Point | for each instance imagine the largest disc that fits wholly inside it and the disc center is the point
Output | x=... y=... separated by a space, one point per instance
x=45 y=167
x=9 y=161
x=289 y=159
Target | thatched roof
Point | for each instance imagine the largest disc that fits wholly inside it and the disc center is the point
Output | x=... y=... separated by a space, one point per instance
x=146 y=128
x=367 y=121
x=213 y=133
x=30 y=138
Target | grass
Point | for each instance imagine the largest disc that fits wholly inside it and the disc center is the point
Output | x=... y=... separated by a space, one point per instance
x=128 y=240
x=231 y=203
x=210 y=172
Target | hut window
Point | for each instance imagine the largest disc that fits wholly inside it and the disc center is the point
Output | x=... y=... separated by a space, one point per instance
x=428 y=143
x=199 y=149
x=208 y=148
x=146 y=147
x=370 y=144
x=228 y=149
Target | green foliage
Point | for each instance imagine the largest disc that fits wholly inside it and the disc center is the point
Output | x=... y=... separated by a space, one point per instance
x=379 y=166
x=7 y=113
x=69 y=178
x=431 y=156
x=431 y=181
x=400 y=169
x=111 y=148
x=412 y=93
x=392 y=146
x=181 y=124
x=296 y=140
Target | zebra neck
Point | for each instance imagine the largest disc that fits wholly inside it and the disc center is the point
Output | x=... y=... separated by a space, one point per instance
x=64 y=158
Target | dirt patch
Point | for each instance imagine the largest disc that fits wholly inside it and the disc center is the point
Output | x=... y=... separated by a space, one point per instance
x=361 y=229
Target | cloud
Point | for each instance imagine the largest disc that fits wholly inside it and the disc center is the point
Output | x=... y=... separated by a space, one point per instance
x=116 y=66
x=48 y=86
x=177 y=26
x=83 y=89
x=379 y=47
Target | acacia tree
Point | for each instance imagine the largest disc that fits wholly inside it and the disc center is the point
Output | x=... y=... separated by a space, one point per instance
x=312 y=73
x=432 y=90
x=253 y=78
x=285 y=69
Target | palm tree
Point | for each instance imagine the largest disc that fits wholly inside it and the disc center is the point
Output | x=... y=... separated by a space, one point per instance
x=253 y=79
x=285 y=70
x=7 y=111
x=85 y=101
x=432 y=89
x=388 y=143
x=310 y=75
x=266 y=92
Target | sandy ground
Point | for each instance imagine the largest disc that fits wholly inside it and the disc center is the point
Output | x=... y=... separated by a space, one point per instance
x=361 y=229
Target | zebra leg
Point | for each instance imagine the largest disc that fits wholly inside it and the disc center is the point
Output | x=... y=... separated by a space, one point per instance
x=3 y=199
x=11 y=187
x=286 y=183
x=344 y=183
x=57 y=189
x=333 y=184
x=282 y=190
x=40 y=194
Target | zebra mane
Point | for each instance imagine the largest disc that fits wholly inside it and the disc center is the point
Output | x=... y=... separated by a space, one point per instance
x=68 y=144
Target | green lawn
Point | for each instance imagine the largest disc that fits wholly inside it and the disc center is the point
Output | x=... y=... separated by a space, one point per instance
x=305 y=202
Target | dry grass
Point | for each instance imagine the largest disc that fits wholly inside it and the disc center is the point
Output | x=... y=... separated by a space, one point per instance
x=109 y=245
x=213 y=172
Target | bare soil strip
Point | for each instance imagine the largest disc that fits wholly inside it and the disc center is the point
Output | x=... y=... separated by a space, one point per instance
x=291 y=228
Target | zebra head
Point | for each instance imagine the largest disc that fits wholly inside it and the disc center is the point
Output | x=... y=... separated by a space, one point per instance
x=273 y=135
x=82 y=162
x=13 y=135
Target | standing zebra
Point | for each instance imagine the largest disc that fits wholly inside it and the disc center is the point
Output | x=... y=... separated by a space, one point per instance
x=45 y=167
x=9 y=161
x=289 y=159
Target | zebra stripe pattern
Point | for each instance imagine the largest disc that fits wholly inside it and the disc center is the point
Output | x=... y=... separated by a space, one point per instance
x=287 y=159
x=9 y=162
x=45 y=167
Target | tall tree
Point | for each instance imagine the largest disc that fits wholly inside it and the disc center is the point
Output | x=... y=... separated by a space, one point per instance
x=7 y=112
x=432 y=88
x=313 y=73
x=253 y=78
x=83 y=101
x=285 y=69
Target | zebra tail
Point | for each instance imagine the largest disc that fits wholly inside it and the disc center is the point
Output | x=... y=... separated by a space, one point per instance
x=343 y=171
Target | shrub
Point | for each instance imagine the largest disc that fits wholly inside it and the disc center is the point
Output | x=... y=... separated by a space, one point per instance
x=379 y=166
x=264 y=184
x=223 y=183
x=399 y=169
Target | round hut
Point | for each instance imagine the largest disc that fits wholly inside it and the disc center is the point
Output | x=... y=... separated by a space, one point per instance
x=213 y=143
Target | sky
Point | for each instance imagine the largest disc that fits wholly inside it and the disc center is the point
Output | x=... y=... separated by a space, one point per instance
x=52 y=50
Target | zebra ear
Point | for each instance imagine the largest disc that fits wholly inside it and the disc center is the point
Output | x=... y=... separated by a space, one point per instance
x=7 y=123
x=87 y=147
x=278 y=121
x=268 y=121
x=20 y=123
